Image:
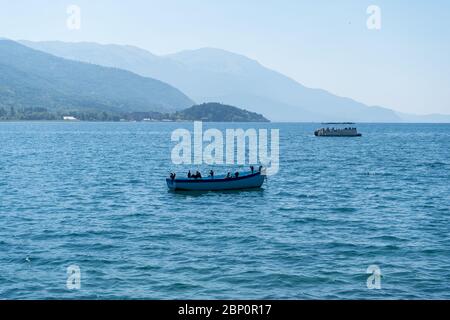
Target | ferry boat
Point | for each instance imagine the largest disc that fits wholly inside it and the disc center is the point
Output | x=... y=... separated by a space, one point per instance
x=347 y=131
x=249 y=180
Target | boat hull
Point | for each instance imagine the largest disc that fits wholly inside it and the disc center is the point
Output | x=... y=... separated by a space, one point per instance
x=217 y=184
x=338 y=135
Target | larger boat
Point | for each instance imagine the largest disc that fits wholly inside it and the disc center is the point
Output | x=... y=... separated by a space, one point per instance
x=218 y=183
x=347 y=131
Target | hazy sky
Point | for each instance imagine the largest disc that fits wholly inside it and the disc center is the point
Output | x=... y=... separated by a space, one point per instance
x=322 y=44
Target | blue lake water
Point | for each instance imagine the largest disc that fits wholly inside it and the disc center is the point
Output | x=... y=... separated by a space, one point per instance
x=94 y=195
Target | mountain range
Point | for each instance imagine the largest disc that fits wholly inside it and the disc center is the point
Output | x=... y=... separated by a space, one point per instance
x=119 y=79
x=210 y=74
x=34 y=79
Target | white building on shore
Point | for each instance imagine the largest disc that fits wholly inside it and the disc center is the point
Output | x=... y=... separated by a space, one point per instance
x=69 y=118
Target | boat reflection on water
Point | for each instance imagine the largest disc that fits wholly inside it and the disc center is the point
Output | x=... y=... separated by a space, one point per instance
x=200 y=193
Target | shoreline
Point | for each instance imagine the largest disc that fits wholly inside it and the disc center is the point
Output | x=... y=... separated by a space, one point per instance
x=192 y=121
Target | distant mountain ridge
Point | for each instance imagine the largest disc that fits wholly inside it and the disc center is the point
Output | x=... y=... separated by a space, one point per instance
x=216 y=75
x=34 y=79
x=210 y=74
x=429 y=118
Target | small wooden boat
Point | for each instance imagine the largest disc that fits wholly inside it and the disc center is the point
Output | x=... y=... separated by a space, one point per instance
x=218 y=183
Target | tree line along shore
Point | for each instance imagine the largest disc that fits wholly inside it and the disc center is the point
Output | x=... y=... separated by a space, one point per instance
x=208 y=112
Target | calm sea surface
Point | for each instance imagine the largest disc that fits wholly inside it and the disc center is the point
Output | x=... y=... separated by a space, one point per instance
x=94 y=195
